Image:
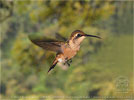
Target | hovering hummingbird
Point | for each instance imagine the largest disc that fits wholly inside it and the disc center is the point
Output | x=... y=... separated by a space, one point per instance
x=65 y=50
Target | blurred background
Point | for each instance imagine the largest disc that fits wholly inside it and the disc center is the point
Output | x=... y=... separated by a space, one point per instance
x=102 y=68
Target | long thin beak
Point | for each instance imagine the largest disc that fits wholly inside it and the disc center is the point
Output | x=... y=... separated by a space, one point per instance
x=92 y=36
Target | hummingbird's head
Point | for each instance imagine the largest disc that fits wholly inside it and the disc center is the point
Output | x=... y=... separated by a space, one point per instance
x=78 y=36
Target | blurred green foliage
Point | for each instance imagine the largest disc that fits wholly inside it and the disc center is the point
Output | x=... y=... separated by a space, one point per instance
x=93 y=71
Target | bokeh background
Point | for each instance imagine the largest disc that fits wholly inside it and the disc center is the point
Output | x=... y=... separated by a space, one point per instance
x=103 y=68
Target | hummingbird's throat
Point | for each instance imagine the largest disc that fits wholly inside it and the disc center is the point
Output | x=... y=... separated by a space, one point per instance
x=75 y=43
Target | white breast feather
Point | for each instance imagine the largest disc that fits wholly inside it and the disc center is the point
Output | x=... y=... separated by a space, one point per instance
x=60 y=60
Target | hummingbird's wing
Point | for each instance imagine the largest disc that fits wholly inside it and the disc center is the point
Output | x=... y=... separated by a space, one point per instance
x=48 y=44
x=60 y=37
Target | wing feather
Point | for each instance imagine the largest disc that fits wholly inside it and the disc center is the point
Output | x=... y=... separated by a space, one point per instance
x=48 y=44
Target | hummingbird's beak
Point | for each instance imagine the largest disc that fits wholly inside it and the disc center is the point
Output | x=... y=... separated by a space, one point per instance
x=92 y=36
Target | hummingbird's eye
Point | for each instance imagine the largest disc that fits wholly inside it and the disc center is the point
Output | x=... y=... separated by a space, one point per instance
x=78 y=35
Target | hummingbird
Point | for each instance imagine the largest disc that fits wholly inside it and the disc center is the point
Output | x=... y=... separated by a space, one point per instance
x=65 y=50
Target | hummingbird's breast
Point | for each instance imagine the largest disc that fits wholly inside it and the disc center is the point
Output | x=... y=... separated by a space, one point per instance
x=69 y=52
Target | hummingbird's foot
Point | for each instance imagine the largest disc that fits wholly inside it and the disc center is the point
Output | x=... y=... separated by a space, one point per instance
x=70 y=61
x=68 y=64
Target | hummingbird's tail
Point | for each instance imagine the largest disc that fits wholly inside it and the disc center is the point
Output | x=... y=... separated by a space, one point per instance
x=54 y=64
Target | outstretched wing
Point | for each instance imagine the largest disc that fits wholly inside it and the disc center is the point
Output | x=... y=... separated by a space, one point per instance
x=60 y=37
x=48 y=44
